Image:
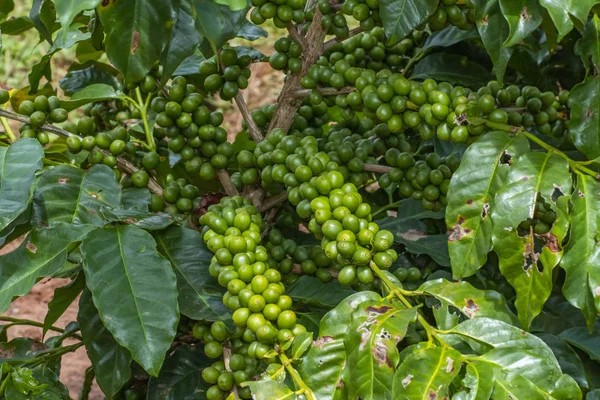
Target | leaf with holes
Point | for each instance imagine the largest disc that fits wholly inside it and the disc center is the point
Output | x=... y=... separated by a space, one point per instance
x=133 y=287
x=400 y=17
x=426 y=373
x=200 y=296
x=71 y=195
x=472 y=302
x=523 y=17
x=323 y=366
x=137 y=32
x=42 y=253
x=111 y=362
x=471 y=198
x=376 y=329
x=18 y=164
x=582 y=253
x=527 y=267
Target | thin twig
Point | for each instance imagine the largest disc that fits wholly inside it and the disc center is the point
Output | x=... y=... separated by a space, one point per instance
x=226 y=361
x=252 y=127
x=334 y=41
x=123 y=164
x=325 y=91
x=377 y=168
x=295 y=34
x=274 y=201
x=225 y=180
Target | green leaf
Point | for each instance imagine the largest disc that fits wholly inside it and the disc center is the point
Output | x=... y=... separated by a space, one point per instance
x=142 y=219
x=523 y=17
x=18 y=164
x=527 y=268
x=452 y=68
x=16 y=26
x=582 y=339
x=251 y=32
x=200 y=297
x=77 y=80
x=111 y=362
x=450 y=36
x=42 y=16
x=471 y=196
x=67 y=10
x=179 y=378
x=589 y=45
x=512 y=349
x=493 y=30
x=68 y=194
x=133 y=287
x=269 y=390
x=400 y=17
x=478 y=382
x=584 y=123
x=41 y=254
x=582 y=253
x=136 y=34
x=301 y=343
x=315 y=293
x=234 y=5
x=371 y=342
x=323 y=365
x=569 y=360
x=561 y=11
x=136 y=198
x=183 y=42
x=472 y=302
x=62 y=299
x=92 y=93
x=427 y=373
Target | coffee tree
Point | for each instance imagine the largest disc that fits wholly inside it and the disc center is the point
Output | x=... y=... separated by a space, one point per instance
x=416 y=217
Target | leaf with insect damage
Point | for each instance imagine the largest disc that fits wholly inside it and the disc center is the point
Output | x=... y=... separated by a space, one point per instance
x=427 y=373
x=527 y=259
x=377 y=328
x=471 y=199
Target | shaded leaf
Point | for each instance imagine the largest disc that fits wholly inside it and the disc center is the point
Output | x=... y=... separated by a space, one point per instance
x=133 y=287
x=41 y=254
x=313 y=292
x=200 y=296
x=62 y=299
x=18 y=164
x=136 y=198
x=523 y=17
x=400 y=17
x=471 y=196
x=16 y=26
x=450 y=36
x=184 y=40
x=180 y=376
x=582 y=339
x=78 y=79
x=142 y=219
x=92 y=93
x=451 y=68
x=42 y=16
x=111 y=362
x=569 y=360
x=588 y=47
x=584 y=123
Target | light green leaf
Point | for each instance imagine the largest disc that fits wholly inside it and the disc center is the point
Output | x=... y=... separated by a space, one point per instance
x=523 y=17
x=67 y=10
x=68 y=194
x=400 y=17
x=471 y=199
x=478 y=382
x=41 y=254
x=133 y=287
x=179 y=378
x=584 y=122
x=561 y=11
x=528 y=269
x=269 y=390
x=18 y=164
x=322 y=367
x=371 y=342
x=582 y=253
x=200 y=296
x=427 y=373
x=472 y=302
x=234 y=5
x=451 y=68
x=92 y=93
x=136 y=34
x=111 y=362
x=301 y=343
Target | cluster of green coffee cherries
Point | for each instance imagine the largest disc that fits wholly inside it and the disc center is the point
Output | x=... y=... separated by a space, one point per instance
x=255 y=293
x=281 y=12
x=542 y=221
x=366 y=12
x=228 y=76
x=451 y=13
x=287 y=55
x=369 y=50
x=40 y=110
x=425 y=179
